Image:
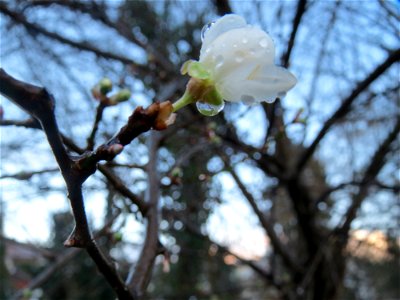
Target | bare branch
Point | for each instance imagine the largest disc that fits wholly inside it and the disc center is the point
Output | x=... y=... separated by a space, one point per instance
x=192 y=229
x=266 y=224
x=377 y=162
x=223 y=7
x=301 y=9
x=40 y=104
x=28 y=175
x=139 y=277
x=19 y=18
x=346 y=106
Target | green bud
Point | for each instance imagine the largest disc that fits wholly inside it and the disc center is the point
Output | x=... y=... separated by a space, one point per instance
x=27 y=294
x=176 y=172
x=105 y=86
x=195 y=69
x=117 y=236
x=121 y=96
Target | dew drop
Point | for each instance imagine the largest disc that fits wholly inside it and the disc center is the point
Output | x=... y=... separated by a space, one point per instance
x=245 y=40
x=252 y=51
x=247 y=99
x=270 y=100
x=239 y=56
x=235 y=45
x=208 y=109
x=219 y=61
x=205 y=29
x=263 y=43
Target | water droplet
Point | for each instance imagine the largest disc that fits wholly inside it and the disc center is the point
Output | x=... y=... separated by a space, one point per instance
x=235 y=45
x=239 y=56
x=247 y=99
x=270 y=100
x=219 y=61
x=263 y=43
x=208 y=109
x=245 y=40
x=252 y=51
x=205 y=29
x=208 y=50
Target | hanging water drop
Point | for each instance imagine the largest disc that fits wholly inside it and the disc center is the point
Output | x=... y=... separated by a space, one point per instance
x=205 y=29
x=208 y=109
x=270 y=99
x=247 y=99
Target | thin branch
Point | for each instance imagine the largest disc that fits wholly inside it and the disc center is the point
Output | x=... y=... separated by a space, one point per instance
x=301 y=9
x=98 y=13
x=61 y=261
x=266 y=224
x=192 y=229
x=223 y=7
x=24 y=175
x=29 y=123
x=99 y=116
x=346 y=106
x=19 y=18
x=377 y=162
x=40 y=104
x=139 y=276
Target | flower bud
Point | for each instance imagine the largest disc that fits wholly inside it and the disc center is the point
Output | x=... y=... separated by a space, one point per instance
x=105 y=86
x=122 y=96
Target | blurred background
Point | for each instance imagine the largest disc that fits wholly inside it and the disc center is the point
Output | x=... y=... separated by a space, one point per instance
x=292 y=200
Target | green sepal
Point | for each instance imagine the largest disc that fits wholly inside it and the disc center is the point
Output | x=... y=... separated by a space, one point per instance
x=195 y=69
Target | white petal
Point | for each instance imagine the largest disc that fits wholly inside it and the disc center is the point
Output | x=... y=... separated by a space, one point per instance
x=237 y=48
x=263 y=83
x=222 y=25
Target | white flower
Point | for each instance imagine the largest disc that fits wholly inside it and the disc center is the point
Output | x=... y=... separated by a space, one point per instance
x=239 y=59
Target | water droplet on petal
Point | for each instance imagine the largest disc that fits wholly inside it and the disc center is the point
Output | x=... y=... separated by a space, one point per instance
x=247 y=99
x=235 y=45
x=270 y=100
x=205 y=29
x=239 y=56
x=208 y=109
x=219 y=61
x=245 y=40
x=252 y=51
x=263 y=43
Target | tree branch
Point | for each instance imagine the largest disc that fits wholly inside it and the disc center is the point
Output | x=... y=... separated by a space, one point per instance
x=19 y=18
x=346 y=106
x=377 y=162
x=139 y=276
x=266 y=224
x=223 y=7
x=301 y=9
x=40 y=104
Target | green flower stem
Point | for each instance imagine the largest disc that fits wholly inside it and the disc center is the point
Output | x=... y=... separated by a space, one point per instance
x=186 y=99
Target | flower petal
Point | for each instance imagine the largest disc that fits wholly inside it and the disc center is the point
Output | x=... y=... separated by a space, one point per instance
x=263 y=83
x=222 y=25
x=235 y=49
